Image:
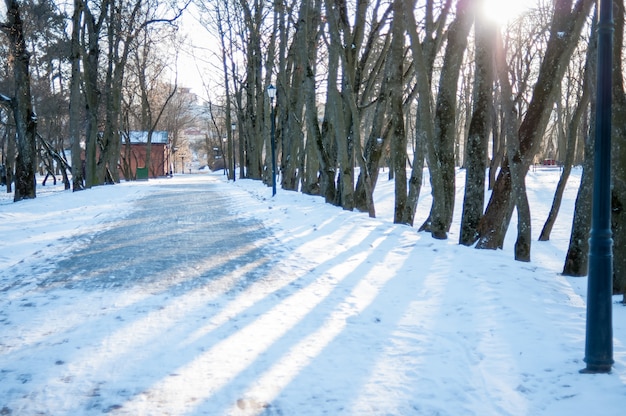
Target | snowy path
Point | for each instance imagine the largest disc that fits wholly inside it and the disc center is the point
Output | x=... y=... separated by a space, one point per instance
x=91 y=329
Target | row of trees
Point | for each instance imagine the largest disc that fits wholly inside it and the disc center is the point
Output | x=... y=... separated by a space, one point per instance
x=78 y=75
x=360 y=82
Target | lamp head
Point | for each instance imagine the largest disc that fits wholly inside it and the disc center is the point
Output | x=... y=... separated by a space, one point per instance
x=271 y=91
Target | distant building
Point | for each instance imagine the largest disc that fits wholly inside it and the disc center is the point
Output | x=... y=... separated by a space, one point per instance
x=133 y=155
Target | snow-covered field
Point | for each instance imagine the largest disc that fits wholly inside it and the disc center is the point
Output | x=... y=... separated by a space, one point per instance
x=339 y=314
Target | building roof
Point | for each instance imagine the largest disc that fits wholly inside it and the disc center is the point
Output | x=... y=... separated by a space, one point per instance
x=142 y=137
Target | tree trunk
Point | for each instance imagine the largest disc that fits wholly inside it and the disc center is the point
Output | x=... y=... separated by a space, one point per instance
x=10 y=159
x=479 y=129
x=424 y=55
x=415 y=180
x=341 y=114
x=497 y=148
x=329 y=130
x=118 y=38
x=314 y=133
x=425 y=128
x=374 y=146
x=251 y=136
x=293 y=135
x=396 y=88
x=516 y=164
x=23 y=114
x=91 y=62
x=76 y=115
x=577 y=257
x=572 y=136
x=618 y=157
x=445 y=120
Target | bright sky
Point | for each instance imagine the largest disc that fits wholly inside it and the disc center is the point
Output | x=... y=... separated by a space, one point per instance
x=503 y=11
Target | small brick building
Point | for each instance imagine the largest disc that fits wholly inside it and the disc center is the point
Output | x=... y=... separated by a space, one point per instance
x=133 y=156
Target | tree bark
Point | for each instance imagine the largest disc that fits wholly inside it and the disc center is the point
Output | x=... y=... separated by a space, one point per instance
x=445 y=121
x=572 y=136
x=91 y=67
x=251 y=137
x=479 y=129
x=76 y=115
x=293 y=133
x=426 y=128
x=516 y=163
x=232 y=174
x=373 y=147
x=425 y=53
x=618 y=157
x=577 y=257
x=21 y=104
x=342 y=117
x=396 y=88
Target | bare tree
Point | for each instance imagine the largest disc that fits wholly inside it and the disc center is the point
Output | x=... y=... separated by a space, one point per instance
x=76 y=105
x=424 y=54
x=565 y=31
x=573 y=130
x=21 y=104
x=442 y=155
x=479 y=129
x=618 y=155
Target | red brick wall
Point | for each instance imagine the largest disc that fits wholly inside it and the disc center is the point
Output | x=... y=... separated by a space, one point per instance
x=137 y=158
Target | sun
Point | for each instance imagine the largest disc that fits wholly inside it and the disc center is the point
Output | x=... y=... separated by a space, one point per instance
x=504 y=11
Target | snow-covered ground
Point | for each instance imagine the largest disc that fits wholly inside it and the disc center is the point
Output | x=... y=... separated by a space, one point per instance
x=325 y=312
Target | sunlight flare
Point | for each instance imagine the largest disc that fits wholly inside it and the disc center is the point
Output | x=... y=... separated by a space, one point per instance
x=505 y=11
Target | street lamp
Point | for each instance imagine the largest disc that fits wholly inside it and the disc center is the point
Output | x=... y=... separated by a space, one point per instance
x=599 y=334
x=271 y=92
x=174 y=150
x=233 y=127
x=224 y=155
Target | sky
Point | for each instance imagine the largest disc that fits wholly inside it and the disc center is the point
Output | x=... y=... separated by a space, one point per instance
x=338 y=313
x=503 y=11
x=199 y=61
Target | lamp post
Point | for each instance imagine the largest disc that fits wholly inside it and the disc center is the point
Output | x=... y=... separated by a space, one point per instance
x=169 y=166
x=174 y=150
x=233 y=127
x=599 y=334
x=224 y=155
x=271 y=92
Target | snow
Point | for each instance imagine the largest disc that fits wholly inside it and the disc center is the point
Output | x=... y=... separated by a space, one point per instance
x=193 y=295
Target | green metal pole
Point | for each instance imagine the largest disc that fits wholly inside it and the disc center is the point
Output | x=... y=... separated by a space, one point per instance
x=599 y=336
x=273 y=145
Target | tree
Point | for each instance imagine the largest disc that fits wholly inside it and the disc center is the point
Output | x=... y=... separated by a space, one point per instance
x=91 y=33
x=21 y=104
x=618 y=157
x=479 y=129
x=423 y=53
x=423 y=56
x=398 y=135
x=514 y=160
x=573 y=130
x=441 y=156
x=76 y=105
x=565 y=31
